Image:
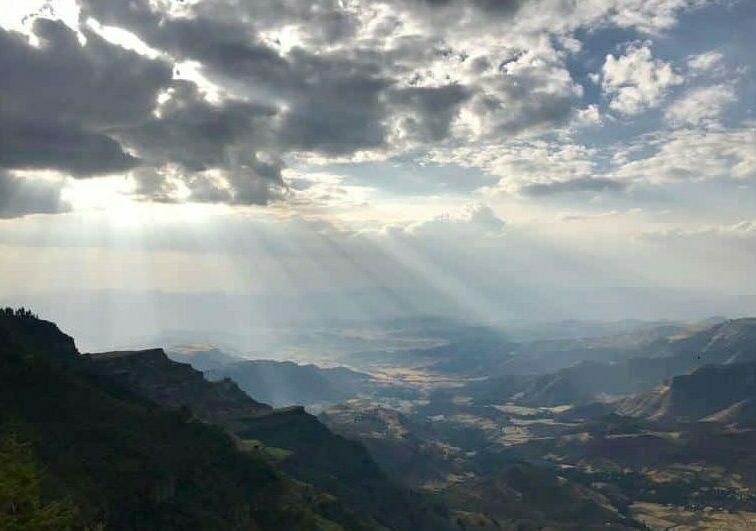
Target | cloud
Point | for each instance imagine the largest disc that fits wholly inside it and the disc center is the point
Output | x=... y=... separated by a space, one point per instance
x=429 y=110
x=190 y=136
x=740 y=233
x=526 y=163
x=636 y=81
x=61 y=100
x=529 y=93
x=705 y=61
x=587 y=184
x=20 y=196
x=232 y=92
x=473 y=221
x=690 y=155
x=590 y=216
x=65 y=148
x=700 y=106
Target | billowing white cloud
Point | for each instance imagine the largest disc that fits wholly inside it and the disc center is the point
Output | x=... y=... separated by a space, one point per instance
x=706 y=61
x=635 y=81
x=700 y=106
x=535 y=165
x=473 y=221
x=691 y=155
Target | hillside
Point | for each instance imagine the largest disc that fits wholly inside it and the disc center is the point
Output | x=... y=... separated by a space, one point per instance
x=152 y=374
x=642 y=368
x=407 y=448
x=313 y=454
x=128 y=464
x=723 y=393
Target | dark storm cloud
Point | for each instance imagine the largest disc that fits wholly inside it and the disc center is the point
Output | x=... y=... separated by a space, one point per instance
x=316 y=81
x=338 y=107
x=585 y=184
x=434 y=109
x=195 y=136
x=62 y=147
x=20 y=196
x=326 y=20
x=60 y=99
x=87 y=110
x=334 y=101
x=499 y=7
x=96 y=85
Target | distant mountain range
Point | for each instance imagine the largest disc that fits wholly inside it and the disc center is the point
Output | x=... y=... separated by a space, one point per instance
x=642 y=367
x=725 y=393
x=280 y=383
x=201 y=357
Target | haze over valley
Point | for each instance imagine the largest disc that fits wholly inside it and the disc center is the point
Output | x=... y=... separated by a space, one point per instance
x=377 y=265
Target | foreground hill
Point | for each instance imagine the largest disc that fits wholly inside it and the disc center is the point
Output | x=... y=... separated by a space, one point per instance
x=126 y=463
x=138 y=441
x=314 y=454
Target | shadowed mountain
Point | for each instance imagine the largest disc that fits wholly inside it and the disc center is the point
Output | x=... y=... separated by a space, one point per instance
x=717 y=393
x=138 y=441
x=129 y=464
x=406 y=448
x=313 y=453
x=728 y=342
x=176 y=385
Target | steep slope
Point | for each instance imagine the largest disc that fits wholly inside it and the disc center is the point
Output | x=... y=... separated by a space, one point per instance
x=315 y=455
x=731 y=341
x=284 y=383
x=724 y=393
x=728 y=342
x=576 y=385
x=175 y=385
x=126 y=463
x=406 y=448
x=743 y=412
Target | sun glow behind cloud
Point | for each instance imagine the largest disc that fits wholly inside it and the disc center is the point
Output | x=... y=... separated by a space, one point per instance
x=296 y=152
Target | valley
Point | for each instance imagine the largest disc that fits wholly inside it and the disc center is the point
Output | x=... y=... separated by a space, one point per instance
x=650 y=424
x=483 y=429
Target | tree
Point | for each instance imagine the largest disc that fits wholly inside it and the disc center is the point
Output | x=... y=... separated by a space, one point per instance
x=21 y=506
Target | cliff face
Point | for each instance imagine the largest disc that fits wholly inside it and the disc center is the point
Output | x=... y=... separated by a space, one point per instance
x=127 y=463
x=28 y=336
x=153 y=375
x=718 y=393
x=731 y=342
x=316 y=455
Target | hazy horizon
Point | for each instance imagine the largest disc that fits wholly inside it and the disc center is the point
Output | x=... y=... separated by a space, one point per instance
x=487 y=160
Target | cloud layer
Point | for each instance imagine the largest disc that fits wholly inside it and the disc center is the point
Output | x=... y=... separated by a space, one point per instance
x=224 y=101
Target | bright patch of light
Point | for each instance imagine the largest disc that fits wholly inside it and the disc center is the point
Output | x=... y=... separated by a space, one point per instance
x=192 y=71
x=112 y=197
x=284 y=38
x=19 y=15
x=122 y=38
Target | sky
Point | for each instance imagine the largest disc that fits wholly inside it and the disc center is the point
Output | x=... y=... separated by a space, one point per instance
x=489 y=158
